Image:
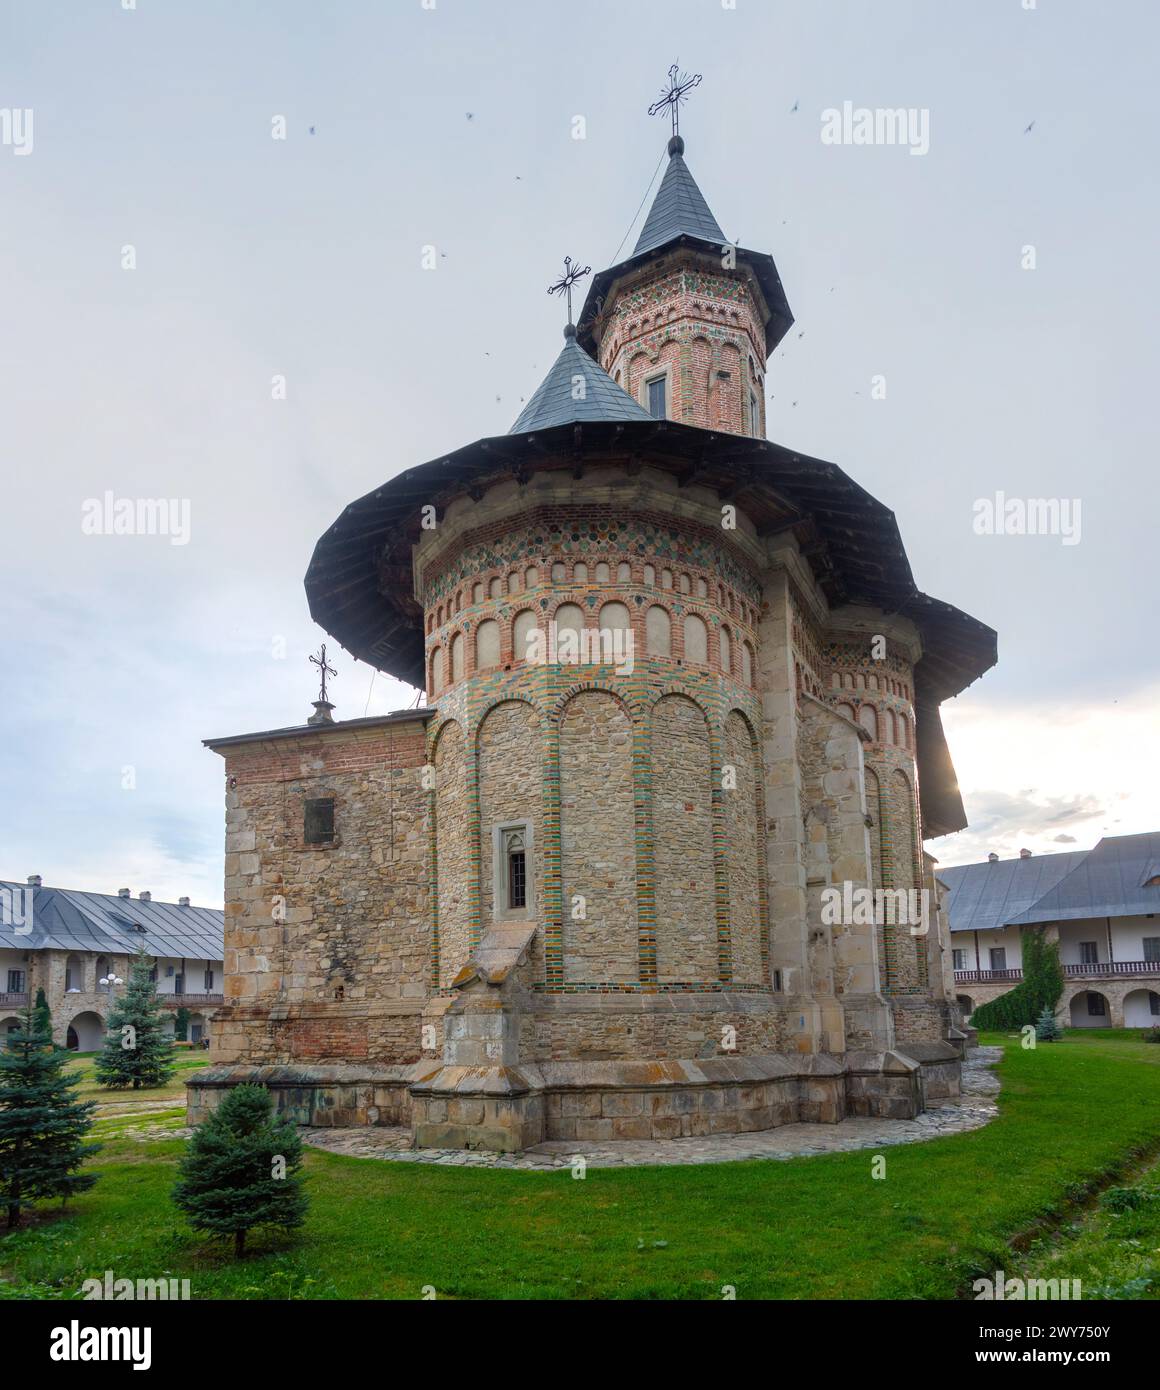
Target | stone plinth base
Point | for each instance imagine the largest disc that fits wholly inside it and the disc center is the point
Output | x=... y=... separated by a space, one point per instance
x=310 y=1094
x=507 y=1109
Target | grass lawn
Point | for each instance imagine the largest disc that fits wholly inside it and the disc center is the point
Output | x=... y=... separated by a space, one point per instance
x=1072 y=1114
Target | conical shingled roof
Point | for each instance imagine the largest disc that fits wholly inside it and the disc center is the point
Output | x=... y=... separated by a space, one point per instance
x=560 y=400
x=679 y=209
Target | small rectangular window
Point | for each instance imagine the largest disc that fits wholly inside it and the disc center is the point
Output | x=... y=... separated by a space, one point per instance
x=960 y=959
x=513 y=891
x=656 y=398
x=16 y=982
x=1152 y=948
x=209 y=982
x=318 y=827
x=1089 y=953
x=998 y=958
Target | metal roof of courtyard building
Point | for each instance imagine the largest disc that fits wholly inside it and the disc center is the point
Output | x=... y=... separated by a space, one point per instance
x=1120 y=877
x=68 y=919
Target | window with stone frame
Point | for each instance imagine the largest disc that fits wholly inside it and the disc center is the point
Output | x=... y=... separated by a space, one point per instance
x=318 y=820
x=656 y=396
x=512 y=880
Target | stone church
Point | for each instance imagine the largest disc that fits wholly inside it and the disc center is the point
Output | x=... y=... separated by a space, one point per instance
x=682 y=694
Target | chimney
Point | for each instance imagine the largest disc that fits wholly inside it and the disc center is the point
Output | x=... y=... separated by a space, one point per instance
x=1024 y=854
x=34 y=880
x=145 y=897
x=992 y=858
x=183 y=902
x=122 y=892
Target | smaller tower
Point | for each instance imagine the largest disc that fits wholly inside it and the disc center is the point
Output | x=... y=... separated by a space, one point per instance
x=687 y=323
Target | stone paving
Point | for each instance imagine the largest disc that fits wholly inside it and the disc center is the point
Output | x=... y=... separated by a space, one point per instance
x=976 y=1107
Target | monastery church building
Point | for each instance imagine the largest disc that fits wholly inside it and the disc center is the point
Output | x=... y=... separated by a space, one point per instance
x=585 y=899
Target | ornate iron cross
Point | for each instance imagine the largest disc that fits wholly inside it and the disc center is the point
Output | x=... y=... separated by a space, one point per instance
x=564 y=284
x=324 y=670
x=680 y=85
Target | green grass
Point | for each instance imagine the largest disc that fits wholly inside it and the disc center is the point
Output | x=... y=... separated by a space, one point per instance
x=1072 y=1115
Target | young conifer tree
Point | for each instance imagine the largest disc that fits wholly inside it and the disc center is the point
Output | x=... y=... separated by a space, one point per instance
x=42 y=1124
x=242 y=1170
x=137 y=1051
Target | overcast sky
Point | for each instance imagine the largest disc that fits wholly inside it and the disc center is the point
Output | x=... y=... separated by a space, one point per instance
x=452 y=126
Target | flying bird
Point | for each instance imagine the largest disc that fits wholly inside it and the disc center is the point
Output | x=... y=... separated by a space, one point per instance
x=312 y=130
x=1028 y=130
x=471 y=115
x=793 y=108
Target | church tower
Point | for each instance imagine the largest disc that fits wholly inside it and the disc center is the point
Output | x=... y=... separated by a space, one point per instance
x=682 y=704
x=687 y=323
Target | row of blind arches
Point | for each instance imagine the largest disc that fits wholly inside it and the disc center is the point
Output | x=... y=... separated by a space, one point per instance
x=582 y=573
x=884 y=727
x=447 y=664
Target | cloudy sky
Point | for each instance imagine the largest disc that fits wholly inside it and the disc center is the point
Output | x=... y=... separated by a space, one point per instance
x=165 y=259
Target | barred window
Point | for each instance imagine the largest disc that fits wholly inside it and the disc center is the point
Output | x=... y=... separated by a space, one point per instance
x=318 y=821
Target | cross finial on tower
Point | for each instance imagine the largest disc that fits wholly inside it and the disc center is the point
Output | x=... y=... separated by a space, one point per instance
x=564 y=284
x=680 y=85
x=324 y=670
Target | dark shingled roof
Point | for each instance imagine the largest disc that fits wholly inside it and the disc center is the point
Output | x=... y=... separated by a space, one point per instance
x=678 y=209
x=67 y=919
x=558 y=402
x=360 y=583
x=1108 y=881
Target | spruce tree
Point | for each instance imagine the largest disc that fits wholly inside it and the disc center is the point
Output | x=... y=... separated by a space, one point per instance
x=137 y=1051
x=242 y=1170
x=1046 y=1029
x=42 y=1124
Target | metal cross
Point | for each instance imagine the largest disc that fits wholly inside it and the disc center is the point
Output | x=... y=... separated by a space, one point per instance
x=680 y=85
x=324 y=669
x=564 y=284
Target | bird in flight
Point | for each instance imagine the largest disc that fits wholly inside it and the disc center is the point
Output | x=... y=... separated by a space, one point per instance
x=793 y=108
x=1028 y=130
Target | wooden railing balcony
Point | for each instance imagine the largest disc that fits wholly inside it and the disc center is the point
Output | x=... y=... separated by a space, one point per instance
x=13 y=1001
x=1104 y=970
x=191 y=1001
x=987 y=977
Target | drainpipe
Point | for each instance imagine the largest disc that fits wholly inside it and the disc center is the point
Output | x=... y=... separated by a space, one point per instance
x=1111 y=953
x=977 y=965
